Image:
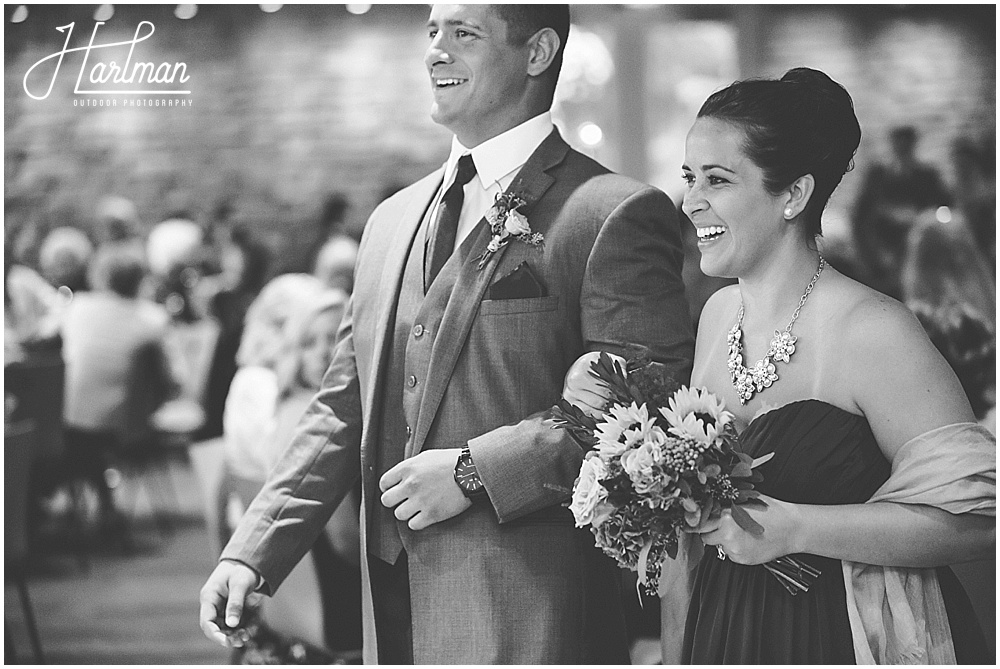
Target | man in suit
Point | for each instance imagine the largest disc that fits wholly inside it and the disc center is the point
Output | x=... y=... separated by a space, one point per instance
x=448 y=361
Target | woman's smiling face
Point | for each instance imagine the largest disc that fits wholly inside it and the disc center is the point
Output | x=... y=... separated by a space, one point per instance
x=737 y=219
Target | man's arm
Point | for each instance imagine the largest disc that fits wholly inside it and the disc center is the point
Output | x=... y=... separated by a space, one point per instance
x=317 y=469
x=632 y=294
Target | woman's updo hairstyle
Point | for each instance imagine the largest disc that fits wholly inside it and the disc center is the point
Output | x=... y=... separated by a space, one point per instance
x=803 y=123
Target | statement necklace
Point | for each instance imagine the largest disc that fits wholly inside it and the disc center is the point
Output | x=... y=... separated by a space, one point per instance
x=763 y=374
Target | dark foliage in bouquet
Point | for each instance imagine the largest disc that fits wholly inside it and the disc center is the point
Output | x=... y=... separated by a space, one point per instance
x=659 y=457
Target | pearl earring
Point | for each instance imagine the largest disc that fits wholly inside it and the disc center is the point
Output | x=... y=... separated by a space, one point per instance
x=788 y=212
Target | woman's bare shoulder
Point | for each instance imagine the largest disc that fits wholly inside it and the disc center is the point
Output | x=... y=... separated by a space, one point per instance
x=898 y=378
x=868 y=318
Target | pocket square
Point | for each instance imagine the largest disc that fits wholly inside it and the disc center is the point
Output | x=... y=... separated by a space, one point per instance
x=519 y=284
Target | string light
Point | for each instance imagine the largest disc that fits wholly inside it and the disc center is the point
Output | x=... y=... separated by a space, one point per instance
x=185 y=11
x=358 y=9
x=270 y=9
x=104 y=12
x=590 y=133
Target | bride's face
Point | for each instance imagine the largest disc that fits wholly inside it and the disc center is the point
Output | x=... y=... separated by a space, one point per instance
x=737 y=219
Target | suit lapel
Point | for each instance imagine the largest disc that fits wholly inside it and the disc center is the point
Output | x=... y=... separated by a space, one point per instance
x=531 y=183
x=391 y=281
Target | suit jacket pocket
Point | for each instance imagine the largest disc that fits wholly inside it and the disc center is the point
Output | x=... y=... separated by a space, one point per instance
x=518 y=306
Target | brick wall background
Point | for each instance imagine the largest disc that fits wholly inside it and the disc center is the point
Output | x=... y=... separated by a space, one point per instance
x=290 y=106
x=930 y=67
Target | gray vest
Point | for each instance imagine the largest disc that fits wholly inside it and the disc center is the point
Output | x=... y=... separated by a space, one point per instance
x=417 y=319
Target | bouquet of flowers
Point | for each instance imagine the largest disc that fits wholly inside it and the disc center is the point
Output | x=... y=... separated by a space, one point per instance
x=659 y=458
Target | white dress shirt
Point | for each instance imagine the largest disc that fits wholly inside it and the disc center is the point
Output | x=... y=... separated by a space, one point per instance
x=497 y=162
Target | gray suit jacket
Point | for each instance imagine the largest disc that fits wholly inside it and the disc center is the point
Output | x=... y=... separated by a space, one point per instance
x=513 y=582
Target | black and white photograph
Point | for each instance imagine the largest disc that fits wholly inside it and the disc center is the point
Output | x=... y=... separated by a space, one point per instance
x=500 y=334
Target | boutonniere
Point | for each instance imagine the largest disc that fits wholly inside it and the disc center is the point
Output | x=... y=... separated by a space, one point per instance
x=507 y=223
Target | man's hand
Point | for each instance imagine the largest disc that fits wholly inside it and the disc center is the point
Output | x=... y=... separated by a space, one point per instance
x=423 y=490
x=229 y=590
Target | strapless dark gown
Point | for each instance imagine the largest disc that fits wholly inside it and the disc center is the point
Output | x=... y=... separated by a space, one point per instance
x=740 y=614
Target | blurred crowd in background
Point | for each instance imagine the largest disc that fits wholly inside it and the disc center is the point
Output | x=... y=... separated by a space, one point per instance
x=126 y=339
x=183 y=335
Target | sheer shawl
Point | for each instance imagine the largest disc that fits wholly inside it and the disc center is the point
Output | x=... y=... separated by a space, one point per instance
x=897 y=615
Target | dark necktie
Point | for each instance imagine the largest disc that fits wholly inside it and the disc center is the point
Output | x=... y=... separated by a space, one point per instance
x=446 y=226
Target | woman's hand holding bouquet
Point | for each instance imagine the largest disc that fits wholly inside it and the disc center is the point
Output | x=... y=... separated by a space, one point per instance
x=661 y=459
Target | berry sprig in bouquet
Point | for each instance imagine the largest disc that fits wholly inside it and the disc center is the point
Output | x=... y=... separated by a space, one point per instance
x=659 y=457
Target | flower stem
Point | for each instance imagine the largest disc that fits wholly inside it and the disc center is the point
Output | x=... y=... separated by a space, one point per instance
x=795 y=575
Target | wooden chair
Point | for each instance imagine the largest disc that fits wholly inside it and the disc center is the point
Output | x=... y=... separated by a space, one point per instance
x=146 y=466
x=37 y=386
x=189 y=349
x=19 y=447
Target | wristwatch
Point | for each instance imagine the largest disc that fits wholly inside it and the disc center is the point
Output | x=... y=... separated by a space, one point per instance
x=467 y=477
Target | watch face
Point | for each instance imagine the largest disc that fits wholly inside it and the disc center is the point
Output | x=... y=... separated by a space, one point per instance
x=467 y=476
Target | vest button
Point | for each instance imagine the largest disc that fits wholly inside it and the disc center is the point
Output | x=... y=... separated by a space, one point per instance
x=418 y=330
x=409 y=431
x=411 y=381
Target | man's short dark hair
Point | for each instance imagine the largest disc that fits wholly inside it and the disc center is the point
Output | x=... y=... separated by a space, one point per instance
x=525 y=20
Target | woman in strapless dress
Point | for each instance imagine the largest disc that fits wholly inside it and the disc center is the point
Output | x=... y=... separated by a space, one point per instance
x=843 y=386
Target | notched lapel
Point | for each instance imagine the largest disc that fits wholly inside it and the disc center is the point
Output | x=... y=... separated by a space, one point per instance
x=390 y=283
x=531 y=183
x=399 y=247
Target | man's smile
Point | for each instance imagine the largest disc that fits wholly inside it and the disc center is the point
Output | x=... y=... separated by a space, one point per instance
x=441 y=83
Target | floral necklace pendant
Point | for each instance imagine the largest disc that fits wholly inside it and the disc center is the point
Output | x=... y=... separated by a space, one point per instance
x=763 y=373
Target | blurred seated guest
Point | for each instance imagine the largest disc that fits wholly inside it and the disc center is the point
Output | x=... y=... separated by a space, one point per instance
x=249 y=415
x=301 y=254
x=244 y=267
x=174 y=249
x=893 y=193
x=310 y=334
x=335 y=263
x=64 y=256
x=117 y=372
x=287 y=346
x=948 y=284
x=32 y=310
x=117 y=219
x=310 y=339
x=976 y=191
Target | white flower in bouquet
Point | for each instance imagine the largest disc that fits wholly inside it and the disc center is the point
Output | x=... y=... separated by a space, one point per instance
x=696 y=413
x=588 y=493
x=639 y=462
x=641 y=466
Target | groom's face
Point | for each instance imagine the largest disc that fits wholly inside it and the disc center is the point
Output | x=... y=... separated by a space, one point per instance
x=478 y=78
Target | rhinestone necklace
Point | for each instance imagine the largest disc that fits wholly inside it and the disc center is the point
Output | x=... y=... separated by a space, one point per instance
x=763 y=374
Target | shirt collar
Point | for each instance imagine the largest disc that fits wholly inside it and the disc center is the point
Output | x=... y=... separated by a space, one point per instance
x=497 y=157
